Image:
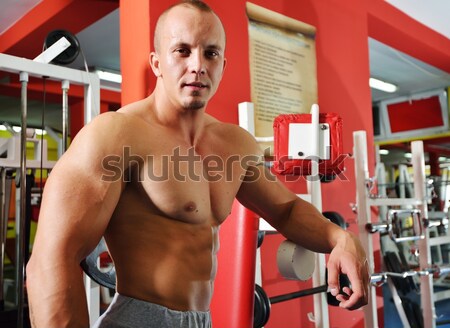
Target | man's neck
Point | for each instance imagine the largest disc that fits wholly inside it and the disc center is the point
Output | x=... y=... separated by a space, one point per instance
x=186 y=123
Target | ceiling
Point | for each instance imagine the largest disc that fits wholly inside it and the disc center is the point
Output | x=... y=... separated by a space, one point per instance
x=410 y=75
x=100 y=45
x=432 y=13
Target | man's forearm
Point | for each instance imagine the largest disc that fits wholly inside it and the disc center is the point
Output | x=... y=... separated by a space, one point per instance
x=307 y=227
x=56 y=296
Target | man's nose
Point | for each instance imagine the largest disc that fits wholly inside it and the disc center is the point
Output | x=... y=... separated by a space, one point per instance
x=197 y=63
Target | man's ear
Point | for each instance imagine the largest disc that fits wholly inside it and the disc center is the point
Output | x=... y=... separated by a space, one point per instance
x=224 y=65
x=154 y=63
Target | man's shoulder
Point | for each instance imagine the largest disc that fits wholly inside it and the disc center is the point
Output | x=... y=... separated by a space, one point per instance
x=103 y=126
x=109 y=130
x=240 y=139
x=114 y=121
x=217 y=126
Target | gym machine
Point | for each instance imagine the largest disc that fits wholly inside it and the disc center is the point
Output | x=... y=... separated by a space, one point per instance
x=400 y=225
x=17 y=158
x=263 y=303
x=410 y=224
x=303 y=263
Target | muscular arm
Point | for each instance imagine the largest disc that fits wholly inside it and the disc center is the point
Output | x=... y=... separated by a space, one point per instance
x=77 y=204
x=294 y=218
x=300 y=222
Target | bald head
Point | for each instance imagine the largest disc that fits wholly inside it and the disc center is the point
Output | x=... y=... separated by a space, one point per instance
x=195 y=4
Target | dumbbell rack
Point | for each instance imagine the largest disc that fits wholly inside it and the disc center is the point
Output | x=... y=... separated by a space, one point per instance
x=365 y=200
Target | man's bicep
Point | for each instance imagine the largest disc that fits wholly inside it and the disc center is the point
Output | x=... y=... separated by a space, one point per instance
x=265 y=195
x=75 y=209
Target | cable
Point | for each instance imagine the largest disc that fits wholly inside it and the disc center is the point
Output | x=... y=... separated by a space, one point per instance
x=41 y=186
x=86 y=67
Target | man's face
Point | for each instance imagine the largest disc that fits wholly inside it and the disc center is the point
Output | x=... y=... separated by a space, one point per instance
x=190 y=59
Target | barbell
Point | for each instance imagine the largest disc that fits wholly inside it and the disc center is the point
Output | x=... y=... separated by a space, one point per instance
x=405 y=225
x=263 y=303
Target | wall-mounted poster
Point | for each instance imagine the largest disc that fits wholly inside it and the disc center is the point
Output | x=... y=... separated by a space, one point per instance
x=282 y=66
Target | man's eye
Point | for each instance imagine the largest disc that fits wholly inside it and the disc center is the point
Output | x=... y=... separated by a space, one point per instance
x=211 y=54
x=183 y=51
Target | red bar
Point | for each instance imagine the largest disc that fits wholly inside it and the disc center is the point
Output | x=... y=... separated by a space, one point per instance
x=234 y=288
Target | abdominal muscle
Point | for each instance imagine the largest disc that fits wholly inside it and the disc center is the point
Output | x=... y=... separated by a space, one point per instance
x=161 y=260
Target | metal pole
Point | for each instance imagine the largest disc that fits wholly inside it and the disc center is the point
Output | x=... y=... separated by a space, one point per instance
x=321 y=316
x=301 y=293
x=426 y=282
x=20 y=230
x=3 y=229
x=65 y=114
x=364 y=218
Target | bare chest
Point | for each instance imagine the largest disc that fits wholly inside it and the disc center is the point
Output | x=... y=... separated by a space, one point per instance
x=190 y=186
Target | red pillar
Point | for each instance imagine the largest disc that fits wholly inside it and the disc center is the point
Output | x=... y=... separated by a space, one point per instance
x=135 y=38
x=232 y=304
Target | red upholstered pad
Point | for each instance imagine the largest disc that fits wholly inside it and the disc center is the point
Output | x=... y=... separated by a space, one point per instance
x=283 y=164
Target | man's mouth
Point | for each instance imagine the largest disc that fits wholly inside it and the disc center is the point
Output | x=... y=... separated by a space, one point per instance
x=197 y=85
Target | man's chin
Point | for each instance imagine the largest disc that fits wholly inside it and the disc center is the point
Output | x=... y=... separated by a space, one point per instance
x=195 y=105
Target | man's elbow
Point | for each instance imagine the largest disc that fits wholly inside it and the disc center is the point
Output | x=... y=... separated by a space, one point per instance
x=30 y=269
x=35 y=277
x=31 y=273
x=31 y=285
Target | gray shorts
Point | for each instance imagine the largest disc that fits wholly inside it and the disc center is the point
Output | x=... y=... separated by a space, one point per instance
x=127 y=312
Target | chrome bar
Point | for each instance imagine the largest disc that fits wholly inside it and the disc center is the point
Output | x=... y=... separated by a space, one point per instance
x=20 y=229
x=3 y=230
x=65 y=114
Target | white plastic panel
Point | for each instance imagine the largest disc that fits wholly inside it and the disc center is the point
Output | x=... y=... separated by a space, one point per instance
x=301 y=145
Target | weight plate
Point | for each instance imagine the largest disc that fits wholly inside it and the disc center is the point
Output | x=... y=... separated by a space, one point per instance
x=68 y=55
x=89 y=265
x=261 y=311
x=336 y=218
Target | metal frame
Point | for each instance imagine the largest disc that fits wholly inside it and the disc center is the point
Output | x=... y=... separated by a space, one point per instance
x=90 y=81
x=321 y=317
x=4 y=210
x=363 y=202
x=26 y=67
x=420 y=201
x=246 y=121
x=426 y=282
